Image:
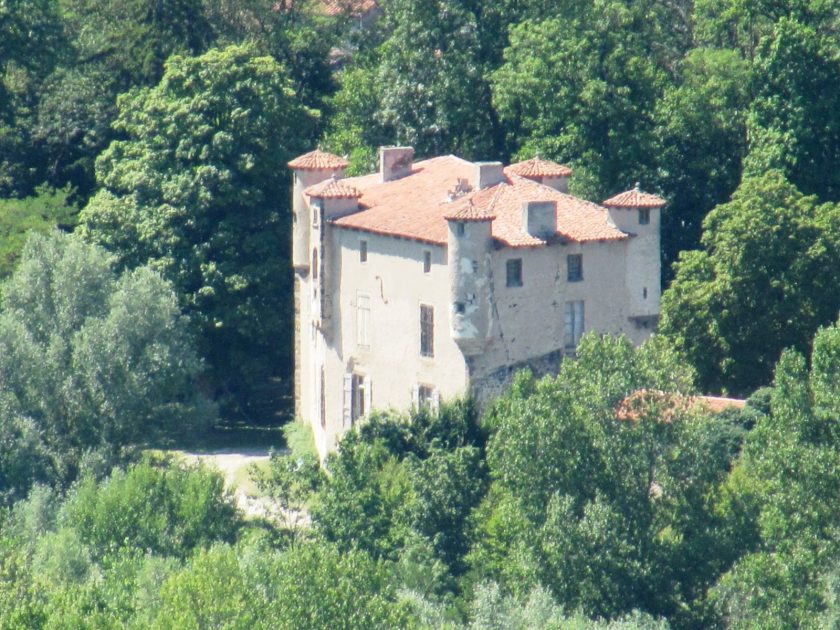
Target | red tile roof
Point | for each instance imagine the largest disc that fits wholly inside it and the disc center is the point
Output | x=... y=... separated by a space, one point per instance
x=470 y=212
x=318 y=160
x=536 y=167
x=354 y=7
x=333 y=188
x=670 y=405
x=634 y=198
x=416 y=206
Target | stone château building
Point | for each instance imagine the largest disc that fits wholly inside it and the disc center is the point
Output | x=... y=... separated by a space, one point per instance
x=430 y=279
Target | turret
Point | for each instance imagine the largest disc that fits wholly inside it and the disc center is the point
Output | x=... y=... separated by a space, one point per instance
x=309 y=169
x=470 y=242
x=545 y=172
x=638 y=214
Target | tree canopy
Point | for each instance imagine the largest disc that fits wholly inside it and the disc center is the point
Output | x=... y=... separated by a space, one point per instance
x=197 y=190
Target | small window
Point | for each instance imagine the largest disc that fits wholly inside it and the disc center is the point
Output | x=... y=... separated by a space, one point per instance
x=574 y=267
x=427 y=262
x=425 y=396
x=322 y=400
x=573 y=329
x=644 y=216
x=363 y=320
x=460 y=229
x=460 y=308
x=362 y=251
x=316 y=215
x=314 y=264
x=514 y=272
x=644 y=293
x=358 y=397
x=427 y=331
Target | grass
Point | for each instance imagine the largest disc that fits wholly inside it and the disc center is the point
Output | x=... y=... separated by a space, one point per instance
x=300 y=439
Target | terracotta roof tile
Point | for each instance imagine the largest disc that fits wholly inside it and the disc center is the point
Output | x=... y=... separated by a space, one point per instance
x=416 y=206
x=318 y=160
x=537 y=167
x=333 y=188
x=634 y=198
x=354 y=7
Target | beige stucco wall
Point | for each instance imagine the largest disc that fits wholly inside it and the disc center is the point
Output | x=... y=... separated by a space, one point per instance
x=393 y=280
x=529 y=320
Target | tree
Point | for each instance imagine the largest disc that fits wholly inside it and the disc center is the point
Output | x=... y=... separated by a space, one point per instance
x=581 y=87
x=788 y=475
x=601 y=485
x=702 y=135
x=425 y=85
x=764 y=281
x=198 y=190
x=91 y=359
x=795 y=117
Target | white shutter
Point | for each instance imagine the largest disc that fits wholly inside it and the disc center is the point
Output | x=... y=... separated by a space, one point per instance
x=368 y=395
x=415 y=397
x=435 y=400
x=348 y=400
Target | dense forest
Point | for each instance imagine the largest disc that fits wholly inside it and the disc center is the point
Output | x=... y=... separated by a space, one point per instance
x=147 y=296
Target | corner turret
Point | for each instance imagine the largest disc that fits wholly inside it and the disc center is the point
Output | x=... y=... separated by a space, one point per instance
x=469 y=246
x=309 y=169
x=638 y=214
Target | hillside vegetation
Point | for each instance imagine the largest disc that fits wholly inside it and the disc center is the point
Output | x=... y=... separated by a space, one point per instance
x=147 y=295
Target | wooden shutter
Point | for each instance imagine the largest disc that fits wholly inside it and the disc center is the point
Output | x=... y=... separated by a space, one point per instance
x=348 y=401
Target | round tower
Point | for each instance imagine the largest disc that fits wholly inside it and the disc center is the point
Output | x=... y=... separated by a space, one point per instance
x=470 y=242
x=309 y=169
x=638 y=214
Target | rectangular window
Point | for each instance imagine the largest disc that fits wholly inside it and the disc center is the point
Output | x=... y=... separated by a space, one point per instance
x=427 y=262
x=514 y=272
x=574 y=267
x=644 y=216
x=427 y=331
x=363 y=320
x=362 y=251
x=359 y=396
x=316 y=214
x=573 y=328
x=460 y=229
x=425 y=396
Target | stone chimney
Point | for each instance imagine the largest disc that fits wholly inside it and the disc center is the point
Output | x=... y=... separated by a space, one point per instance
x=488 y=174
x=539 y=218
x=395 y=162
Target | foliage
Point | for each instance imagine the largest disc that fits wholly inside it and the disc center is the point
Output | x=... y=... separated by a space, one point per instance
x=166 y=511
x=196 y=190
x=764 y=281
x=602 y=481
x=702 y=134
x=788 y=474
x=90 y=360
x=581 y=87
x=42 y=213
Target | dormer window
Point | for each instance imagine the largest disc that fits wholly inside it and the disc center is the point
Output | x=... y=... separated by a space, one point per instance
x=644 y=216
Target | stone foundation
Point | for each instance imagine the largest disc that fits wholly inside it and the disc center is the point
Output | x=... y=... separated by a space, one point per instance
x=486 y=388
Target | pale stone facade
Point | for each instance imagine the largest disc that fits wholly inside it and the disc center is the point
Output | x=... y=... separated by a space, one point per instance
x=432 y=279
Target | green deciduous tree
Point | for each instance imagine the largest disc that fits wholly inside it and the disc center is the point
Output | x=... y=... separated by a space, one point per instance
x=198 y=190
x=602 y=479
x=581 y=87
x=795 y=117
x=764 y=281
x=788 y=475
x=93 y=360
x=702 y=137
